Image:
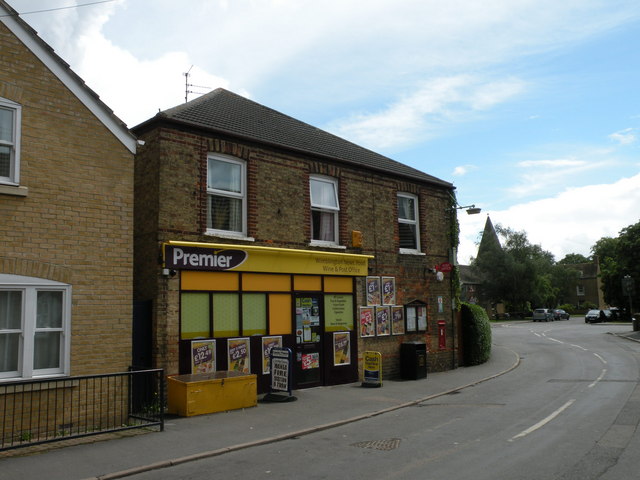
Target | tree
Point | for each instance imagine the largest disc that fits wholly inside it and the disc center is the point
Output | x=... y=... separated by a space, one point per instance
x=619 y=257
x=516 y=272
x=574 y=258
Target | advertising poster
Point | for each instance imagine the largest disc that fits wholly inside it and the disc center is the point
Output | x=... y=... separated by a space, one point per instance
x=372 y=374
x=238 y=355
x=203 y=356
x=383 y=322
x=373 y=291
x=267 y=344
x=367 y=322
x=341 y=348
x=388 y=290
x=310 y=360
x=422 y=318
x=338 y=312
x=440 y=304
x=397 y=320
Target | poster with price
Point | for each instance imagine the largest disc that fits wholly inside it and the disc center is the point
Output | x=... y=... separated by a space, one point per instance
x=203 y=356
x=383 y=322
x=373 y=291
x=238 y=355
x=397 y=320
x=341 y=348
x=267 y=344
x=388 y=290
x=367 y=322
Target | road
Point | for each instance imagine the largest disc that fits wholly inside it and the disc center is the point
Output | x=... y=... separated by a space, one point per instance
x=569 y=411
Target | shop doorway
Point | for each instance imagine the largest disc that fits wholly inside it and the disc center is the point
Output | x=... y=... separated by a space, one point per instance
x=309 y=330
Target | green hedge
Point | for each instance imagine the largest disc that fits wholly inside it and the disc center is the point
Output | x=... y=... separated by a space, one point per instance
x=476 y=334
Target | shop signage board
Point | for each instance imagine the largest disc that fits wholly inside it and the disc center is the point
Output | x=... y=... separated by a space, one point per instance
x=222 y=257
x=281 y=373
x=372 y=374
x=203 y=356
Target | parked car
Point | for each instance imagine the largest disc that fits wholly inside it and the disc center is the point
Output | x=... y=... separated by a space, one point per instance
x=560 y=314
x=542 y=315
x=595 y=316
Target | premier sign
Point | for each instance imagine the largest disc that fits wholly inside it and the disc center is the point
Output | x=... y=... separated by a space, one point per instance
x=198 y=258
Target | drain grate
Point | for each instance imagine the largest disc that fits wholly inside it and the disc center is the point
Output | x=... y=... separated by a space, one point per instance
x=390 y=444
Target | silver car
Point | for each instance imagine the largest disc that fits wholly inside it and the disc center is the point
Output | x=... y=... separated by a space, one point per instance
x=542 y=315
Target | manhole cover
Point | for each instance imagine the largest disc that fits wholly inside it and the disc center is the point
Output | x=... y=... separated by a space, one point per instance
x=390 y=444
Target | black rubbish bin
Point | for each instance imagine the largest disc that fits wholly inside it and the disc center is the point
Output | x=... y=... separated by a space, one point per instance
x=413 y=360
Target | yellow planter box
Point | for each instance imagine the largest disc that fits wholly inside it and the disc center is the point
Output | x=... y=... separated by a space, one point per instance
x=203 y=393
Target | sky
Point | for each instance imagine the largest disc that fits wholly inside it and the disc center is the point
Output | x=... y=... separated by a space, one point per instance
x=530 y=108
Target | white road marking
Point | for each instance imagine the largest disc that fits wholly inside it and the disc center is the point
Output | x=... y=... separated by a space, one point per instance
x=578 y=346
x=554 y=340
x=604 y=372
x=600 y=358
x=543 y=422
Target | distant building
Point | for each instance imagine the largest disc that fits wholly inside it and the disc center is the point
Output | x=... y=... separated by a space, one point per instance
x=588 y=286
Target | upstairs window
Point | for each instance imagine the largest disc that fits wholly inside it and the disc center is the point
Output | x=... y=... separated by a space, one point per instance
x=324 y=210
x=408 y=223
x=226 y=196
x=10 y=119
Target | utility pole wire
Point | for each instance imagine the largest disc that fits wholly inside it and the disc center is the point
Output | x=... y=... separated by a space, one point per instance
x=59 y=8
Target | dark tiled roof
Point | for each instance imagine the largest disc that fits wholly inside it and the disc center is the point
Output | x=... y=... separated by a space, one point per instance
x=225 y=112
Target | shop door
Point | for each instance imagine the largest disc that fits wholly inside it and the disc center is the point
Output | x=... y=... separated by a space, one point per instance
x=309 y=334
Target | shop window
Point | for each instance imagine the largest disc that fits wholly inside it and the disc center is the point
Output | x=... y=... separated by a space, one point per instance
x=254 y=314
x=194 y=315
x=408 y=226
x=324 y=210
x=10 y=119
x=279 y=314
x=34 y=327
x=226 y=315
x=226 y=192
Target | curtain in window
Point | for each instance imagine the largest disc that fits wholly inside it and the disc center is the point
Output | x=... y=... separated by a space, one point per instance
x=46 y=352
x=323 y=194
x=323 y=226
x=225 y=214
x=10 y=319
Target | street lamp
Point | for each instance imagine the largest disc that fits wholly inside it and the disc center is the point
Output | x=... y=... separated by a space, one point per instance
x=471 y=209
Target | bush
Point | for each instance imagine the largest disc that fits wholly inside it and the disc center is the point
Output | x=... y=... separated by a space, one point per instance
x=476 y=334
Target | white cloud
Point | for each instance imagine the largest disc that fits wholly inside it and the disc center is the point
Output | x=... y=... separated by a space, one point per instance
x=417 y=116
x=462 y=170
x=570 y=222
x=625 y=137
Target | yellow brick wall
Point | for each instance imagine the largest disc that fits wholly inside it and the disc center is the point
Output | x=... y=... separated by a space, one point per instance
x=76 y=223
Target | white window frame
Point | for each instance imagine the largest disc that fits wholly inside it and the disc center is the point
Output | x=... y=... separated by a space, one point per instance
x=29 y=287
x=14 y=162
x=408 y=221
x=580 y=290
x=326 y=209
x=242 y=195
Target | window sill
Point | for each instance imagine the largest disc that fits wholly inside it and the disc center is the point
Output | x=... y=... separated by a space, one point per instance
x=327 y=245
x=230 y=235
x=14 y=190
x=408 y=251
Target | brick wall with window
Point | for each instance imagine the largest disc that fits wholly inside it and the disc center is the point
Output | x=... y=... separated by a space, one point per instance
x=66 y=223
x=281 y=211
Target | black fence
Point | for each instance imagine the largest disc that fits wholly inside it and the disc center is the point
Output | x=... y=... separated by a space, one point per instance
x=49 y=410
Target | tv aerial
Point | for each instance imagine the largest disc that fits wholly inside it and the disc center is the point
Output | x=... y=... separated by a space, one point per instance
x=188 y=86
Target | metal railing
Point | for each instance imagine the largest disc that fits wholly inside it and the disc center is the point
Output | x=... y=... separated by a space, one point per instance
x=49 y=410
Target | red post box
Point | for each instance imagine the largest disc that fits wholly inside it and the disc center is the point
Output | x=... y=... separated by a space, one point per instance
x=442 y=335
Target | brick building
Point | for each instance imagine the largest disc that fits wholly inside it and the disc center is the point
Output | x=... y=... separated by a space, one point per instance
x=254 y=229
x=66 y=217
